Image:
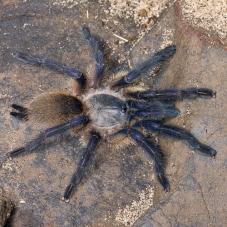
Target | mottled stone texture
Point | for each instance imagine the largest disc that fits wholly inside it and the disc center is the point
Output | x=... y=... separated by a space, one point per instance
x=36 y=181
x=6 y=208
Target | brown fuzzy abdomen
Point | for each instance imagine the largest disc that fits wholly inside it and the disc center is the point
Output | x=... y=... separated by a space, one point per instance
x=54 y=108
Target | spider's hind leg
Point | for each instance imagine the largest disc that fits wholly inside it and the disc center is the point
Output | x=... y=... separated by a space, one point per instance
x=52 y=65
x=21 y=112
x=36 y=142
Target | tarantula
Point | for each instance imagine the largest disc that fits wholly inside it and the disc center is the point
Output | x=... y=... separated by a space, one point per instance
x=111 y=112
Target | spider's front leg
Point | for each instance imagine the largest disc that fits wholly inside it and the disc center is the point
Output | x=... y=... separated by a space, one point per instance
x=158 y=58
x=173 y=94
x=52 y=65
x=154 y=151
x=177 y=133
x=77 y=176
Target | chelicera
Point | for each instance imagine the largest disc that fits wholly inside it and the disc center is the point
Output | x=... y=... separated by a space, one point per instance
x=113 y=110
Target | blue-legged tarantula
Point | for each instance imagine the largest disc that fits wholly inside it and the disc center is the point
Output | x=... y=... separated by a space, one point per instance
x=109 y=111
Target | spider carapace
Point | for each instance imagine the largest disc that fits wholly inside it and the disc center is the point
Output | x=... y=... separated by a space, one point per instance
x=109 y=109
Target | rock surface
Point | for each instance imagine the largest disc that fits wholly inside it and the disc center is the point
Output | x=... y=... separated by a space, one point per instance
x=120 y=190
x=6 y=208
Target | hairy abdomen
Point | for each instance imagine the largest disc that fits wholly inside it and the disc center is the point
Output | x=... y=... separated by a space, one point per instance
x=54 y=108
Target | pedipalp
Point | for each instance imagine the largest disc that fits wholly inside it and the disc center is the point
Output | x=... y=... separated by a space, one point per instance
x=152 y=109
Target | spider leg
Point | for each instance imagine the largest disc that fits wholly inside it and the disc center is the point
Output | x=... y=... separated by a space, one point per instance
x=154 y=151
x=159 y=57
x=178 y=133
x=22 y=113
x=30 y=146
x=50 y=64
x=152 y=109
x=97 y=48
x=173 y=94
x=77 y=176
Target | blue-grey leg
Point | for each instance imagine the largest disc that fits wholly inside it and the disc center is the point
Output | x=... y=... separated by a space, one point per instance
x=153 y=109
x=77 y=176
x=173 y=94
x=154 y=151
x=177 y=133
x=159 y=57
x=32 y=145
x=52 y=65
x=97 y=48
